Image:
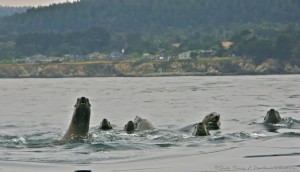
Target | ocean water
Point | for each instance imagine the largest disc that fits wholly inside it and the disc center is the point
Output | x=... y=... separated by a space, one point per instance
x=35 y=114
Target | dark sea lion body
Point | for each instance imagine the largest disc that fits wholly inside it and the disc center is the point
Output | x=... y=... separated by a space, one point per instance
x=212 y=121
x=272 y=117
x=200 y=129
x=105 y=125
x=79 y=126
x=129 y=127
x=271 y=120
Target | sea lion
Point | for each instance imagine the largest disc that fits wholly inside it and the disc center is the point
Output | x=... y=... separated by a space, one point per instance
x=136 y=120
x=212 y=121
x=200 y=129
x=142 y=124
x=272 y=117
x=129 y=127
x=79 y=126
x=105 y=125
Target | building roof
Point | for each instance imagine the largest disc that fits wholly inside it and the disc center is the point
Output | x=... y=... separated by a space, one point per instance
x=227 y=44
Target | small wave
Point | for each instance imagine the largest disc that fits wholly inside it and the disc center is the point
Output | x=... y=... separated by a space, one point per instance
x=272 y=155
x=8 y=126
x=291 y=134
x=244 y=135
x=165 y=145
x=20 y=140
x=294 y=96
x=12 y=141
x=241 y=134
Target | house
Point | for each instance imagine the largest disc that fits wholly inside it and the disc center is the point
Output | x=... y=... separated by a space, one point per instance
x=36 y=58
x=97 y=56
x=147 y=56
x=76 y=58
x=206 y=53
x=161 y=58
x=185 y=55
x=176 y=45
x=39 y=59
x=117 y=56
x=227 y=44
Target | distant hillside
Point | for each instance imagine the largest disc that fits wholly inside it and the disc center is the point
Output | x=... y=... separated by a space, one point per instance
x=259 y=29
x=151 y=15
x=8 y=11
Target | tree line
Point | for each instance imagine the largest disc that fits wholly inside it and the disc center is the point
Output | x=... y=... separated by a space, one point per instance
x=282 y=45
x=259 y=29
x=8 y=11
x=150 y=15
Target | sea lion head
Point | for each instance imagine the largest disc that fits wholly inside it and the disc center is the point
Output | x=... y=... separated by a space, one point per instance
x=82 y=102
x=212 y=121
x=129 y=127
x=81 y=116
x=136 y=121
x=272 y=117
x=200 y=129
x=105 y=125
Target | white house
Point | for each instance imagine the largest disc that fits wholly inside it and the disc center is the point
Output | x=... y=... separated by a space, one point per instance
x=184 y=55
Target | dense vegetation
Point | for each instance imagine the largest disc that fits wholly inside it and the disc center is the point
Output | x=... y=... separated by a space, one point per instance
x=283 y=46
x=7 y=11
x=259 y=29
x=151 y=15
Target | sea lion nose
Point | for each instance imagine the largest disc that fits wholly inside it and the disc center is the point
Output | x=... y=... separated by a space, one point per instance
x=83 y=100
x=272 y=110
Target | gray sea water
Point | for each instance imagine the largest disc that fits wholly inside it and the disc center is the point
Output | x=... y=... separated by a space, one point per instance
x=35 y=113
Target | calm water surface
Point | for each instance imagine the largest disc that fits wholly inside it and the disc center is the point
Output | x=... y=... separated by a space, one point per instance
x=35 y=113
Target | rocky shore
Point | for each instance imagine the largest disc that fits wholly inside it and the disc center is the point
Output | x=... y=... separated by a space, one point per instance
x=201 y=67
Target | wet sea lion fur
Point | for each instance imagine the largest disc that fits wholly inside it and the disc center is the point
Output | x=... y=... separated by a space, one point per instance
x=79 y=126
x=212 y=121
x=105 y=125
x=272 y=117
x=200 y=129
x=142 y=124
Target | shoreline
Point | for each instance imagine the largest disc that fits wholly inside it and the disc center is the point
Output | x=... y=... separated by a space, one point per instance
x=195 y=67
x=152 y=76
